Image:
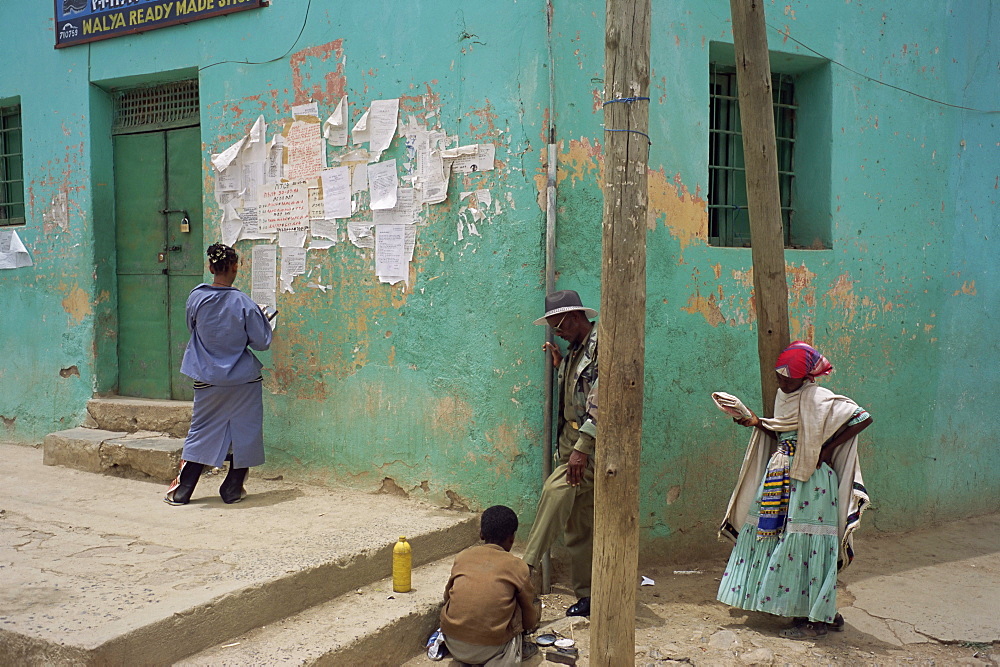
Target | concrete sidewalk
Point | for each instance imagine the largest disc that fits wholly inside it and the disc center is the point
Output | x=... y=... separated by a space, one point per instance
x=98 y=570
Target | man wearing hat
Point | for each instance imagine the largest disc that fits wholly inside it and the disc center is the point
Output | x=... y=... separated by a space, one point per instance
x=567 y=502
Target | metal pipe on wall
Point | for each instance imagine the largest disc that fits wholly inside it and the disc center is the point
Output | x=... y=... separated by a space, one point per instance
x=550 y=278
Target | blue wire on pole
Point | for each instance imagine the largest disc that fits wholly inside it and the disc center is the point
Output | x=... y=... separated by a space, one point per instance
x=628 y=100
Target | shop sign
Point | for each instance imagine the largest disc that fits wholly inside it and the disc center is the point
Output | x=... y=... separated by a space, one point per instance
x=82 y=21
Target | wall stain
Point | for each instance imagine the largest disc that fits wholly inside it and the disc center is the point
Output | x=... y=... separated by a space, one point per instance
x=77 y=305
x=334 y=82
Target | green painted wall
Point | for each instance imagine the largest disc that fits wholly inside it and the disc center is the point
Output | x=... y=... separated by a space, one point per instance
x=437 y=387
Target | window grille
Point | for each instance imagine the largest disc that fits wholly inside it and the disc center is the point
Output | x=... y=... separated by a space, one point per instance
x=11 y=167
x=728 y=218
x=160 y=107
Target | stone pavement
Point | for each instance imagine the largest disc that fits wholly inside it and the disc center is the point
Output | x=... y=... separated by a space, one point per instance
x=96 y=569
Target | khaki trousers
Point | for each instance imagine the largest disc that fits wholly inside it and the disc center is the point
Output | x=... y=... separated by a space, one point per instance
x=566 y=509
x=505 y=655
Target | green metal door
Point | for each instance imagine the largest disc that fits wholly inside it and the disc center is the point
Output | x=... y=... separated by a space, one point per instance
x=157 y=187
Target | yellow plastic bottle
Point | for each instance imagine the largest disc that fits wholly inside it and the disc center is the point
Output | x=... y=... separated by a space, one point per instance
x=401 y=564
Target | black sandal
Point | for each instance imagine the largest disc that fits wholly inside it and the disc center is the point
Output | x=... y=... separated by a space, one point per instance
x=837 y=625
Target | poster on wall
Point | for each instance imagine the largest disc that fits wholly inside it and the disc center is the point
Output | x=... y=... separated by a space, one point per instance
x=82 y=21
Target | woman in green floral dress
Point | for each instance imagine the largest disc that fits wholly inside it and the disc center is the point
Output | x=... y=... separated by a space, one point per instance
x=793 y=512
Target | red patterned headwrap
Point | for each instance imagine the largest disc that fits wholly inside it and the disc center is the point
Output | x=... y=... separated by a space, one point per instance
x=802 y=360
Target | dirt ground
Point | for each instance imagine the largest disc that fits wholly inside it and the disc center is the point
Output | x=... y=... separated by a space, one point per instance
x=678 y=621
x=941 y=582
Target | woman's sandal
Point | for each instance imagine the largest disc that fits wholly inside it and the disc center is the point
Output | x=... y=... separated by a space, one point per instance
x=837 y=625
x=807 y=630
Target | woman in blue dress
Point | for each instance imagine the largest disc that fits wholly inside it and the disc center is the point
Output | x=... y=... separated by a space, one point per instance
x=227 y=421
x=793 y=512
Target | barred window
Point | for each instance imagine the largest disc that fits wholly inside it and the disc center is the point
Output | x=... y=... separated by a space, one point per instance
x=11 y=167
x=728 y=218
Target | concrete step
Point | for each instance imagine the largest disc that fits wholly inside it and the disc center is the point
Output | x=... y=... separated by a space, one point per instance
x=368 y=626
x=140 y=455
x=120 y=413
x=99 y=571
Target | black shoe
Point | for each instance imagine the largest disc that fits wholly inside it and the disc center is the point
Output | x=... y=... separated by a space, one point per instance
x=581 y=608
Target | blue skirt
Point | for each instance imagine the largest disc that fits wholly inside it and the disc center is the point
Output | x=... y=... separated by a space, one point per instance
x=794 y=574
x=224 y=418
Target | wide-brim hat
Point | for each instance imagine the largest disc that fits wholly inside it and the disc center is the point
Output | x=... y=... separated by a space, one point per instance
x=564 y=301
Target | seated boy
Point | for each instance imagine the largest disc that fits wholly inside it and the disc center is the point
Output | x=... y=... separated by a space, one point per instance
x=489 y=600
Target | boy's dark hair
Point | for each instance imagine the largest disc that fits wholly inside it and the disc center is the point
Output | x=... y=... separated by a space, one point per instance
x=497 y=524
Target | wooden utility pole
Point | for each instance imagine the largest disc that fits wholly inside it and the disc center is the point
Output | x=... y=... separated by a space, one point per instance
x=622 y=333
x=753 y=78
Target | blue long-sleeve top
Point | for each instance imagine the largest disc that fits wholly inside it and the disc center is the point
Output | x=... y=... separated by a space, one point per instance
x=224 y=322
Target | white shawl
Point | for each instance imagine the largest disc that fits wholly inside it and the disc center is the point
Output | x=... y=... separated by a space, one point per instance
x=817 y=414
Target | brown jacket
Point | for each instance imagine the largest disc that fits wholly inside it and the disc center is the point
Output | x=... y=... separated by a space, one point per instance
x=489 y=598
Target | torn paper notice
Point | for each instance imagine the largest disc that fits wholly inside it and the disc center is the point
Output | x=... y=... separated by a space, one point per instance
x=296 y=239
x=325 y=228
x=390 y=251
x=321 y=244
x=305 y=150
x=336 y=192
x=229 y=179
x=13 y=254
x=284 y=207
x=360 y=134
x=361 y=234
x=403 y=213
x=293 y=263
x=411 y=241
x=335 y=127
x=232 y=225
x=264 y=259
x=382 y=184
x=384 y=115
x=253 y=178
x=57 y=217
x=275 y=159
x=481 y=160
x=646 y=581
x=308 y=110
x=316 y=208
x=222 y=161
x=248 y=216
x=255 y=149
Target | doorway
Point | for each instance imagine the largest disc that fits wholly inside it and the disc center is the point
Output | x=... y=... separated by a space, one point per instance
x=158 y=234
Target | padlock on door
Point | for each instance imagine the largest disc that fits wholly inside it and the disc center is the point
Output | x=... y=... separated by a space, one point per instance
x=185 y=224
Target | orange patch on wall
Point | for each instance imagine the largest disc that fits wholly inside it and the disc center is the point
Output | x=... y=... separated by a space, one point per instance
x=842 y=296
x=684 y=214
x=76 y=304
x=709 y=308
x=505 y=441
x=968 y=287
x=581 y=160
x=334 y=80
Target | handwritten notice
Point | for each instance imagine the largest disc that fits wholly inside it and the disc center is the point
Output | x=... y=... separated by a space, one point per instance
x=305 y=150
x=284 y=207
